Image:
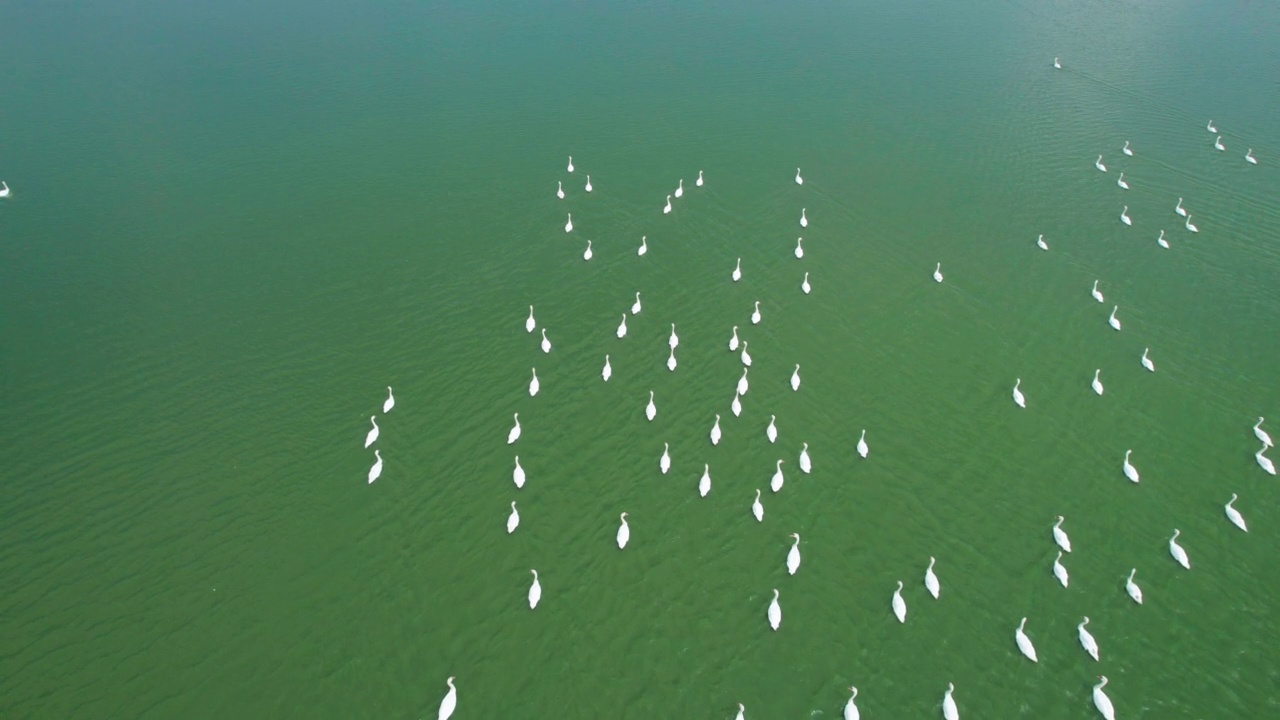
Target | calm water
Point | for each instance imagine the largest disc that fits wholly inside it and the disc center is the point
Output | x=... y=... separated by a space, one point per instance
x=232 y=226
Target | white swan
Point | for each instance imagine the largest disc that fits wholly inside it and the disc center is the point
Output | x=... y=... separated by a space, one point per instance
x=806 y=465
x=775 y=484
x=1124 y=216
x=799 y=180
x=1126 y=149
x=949 y=711
x=1190 y=227
x=757 y=509
x=4 y=186
x=1098 y=164
x=1211 y=128
x=624 y=532
x=742 y=709
x=1177 y=552
x=644 y=245
x=799 y=247
x=771 y=432
x=671 y=360
x=1146 y=361
x=743 y=385
x=607 y=371
x=793 y=556
x=704 y=485
x=1086 y=639
x=1265 y=462
x=1060 y=571
x=534 y=385
x=535 y=591
x=1024 y=642
x=1131 y=587
x=679 y=189
x=517 y=475
x=530 y=324
x=390 y=402
x=715 y=431
x=1234 y=515
x=650 y=410
x=1217 y=144
x=862 y=445
x=804 y=284
x=1056 y=64
x=698 y=182
x=664 y=462
x=622 y=327
x=674 y=340
x=1018 y=398
x=559 y=190
x=546 y=344
x=1162 y=242
x=755 y=314
x=1179 y=209
x=1123 y=185
x=666 y=209
x=1097 y=383
x=588 y=187
x=775 y=611
x=733 y=341
x=373 y=434
x=899 y=605
x=737 y=271
x=570 y=168
x=513 y=520
x=736 y=405
x=376 y=471
x=804 y=221
x=1101 y=701
x=795 y=378
x=1130 y=471
x=746 y=356
x=1060 y=535
x=1249 y=158
x=587 y=254
x=635 y=306
x=931 y=580
x=937 y=273
x=1261 y=434
x=850 y=709
x=1040 y=243
x=514 y=434
x=568 y=225
x=449 y=703
x=1113 y=321
x=1097 y=294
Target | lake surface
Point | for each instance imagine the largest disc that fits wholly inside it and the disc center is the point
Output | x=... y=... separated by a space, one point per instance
x=232 y=226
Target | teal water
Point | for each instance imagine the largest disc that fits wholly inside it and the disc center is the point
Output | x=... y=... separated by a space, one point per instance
x=232 y=226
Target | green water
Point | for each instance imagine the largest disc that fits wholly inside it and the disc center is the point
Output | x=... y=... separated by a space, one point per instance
x=232 y=226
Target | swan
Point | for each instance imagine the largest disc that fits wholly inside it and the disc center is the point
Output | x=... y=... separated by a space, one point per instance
x=373 y=434
x=1098 y=164
x=862 y=444
x=1131 y=587
x=746 y=356
x=622 y=327
x=736 y=405
x=666 y=209
x=1040 y=243
x=804 y=221
x=715 y=431
x=376 y=471
x=674 y=340
x=799 y=180
x=568 y=225
x=671 y=360
x=793 y=556
x=733 y=341
x=517 y=475
x=607 y=371
x=513 y=520
x=806 y=466
x=775 y=611
x=1162 y=242
x=570 y=168
x=559 y=190
x=899 y=605
x=1217 y=144
x=389 y=403
x=804 y=284
x=775 y=484
x=624 y=532
x=1189 y=226
x=1097 y=294
x=1024 y=642
x=546 y=344
x=1261 y=434
x=530 y=324
x=698 y=182
x=588 y=187
x=1113 y=321
x=1247 y=156
x=679 y=189
x=1211 y=128
x=664 y=462
x=1060 y=536
x=704 y=485
x=1086 y=639
x=737 y=271
x=795 y=378
x=1177 y=552
x=741 y=712
x=1018 y=397
x=1146 y=361
x=1126 y=149
x=650 y=410
x=1179 y=209
x=1130 y=471
x=937 y=273
x=1096 y=384
x=1057 y=65
x=1124 y=216
x=931 y=580
x=1123 y=185
x=1234 y=515
x=799 y=247
x=1264 y=461
x=771 y=432
x=743 y=385
x=1101 y=701
x=587 y=254
x=1059 y=571
x=949 y=711
x=851 y=710
x=644 y=245
x=535 y=591
x=514 y=434
x=534 y=384
x=635 y=306
x=757 y=508
x=449 y=703
x=755 y=314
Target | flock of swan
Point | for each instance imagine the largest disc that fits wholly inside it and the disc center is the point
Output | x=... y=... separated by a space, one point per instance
x=897 y=603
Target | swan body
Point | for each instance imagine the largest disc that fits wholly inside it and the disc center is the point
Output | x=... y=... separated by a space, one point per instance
x=795 y=378
x=1059 y=571
x=1018 y=398
x=1146 y=361
x=805 y=286
x=664 y=462
x=588 y=186
x=666 y=209
x=949 y=710
x=931 y=580
x=1098 y=164
x=1234 y=515
x=775 y=611
x=570 y=168
x=699 y=181
x=449 y=703
x=899 y=605
x=1123 y=185
x=671 y=360
x=373 y=434
x=376 y=471
x=535 y=591
x=775 y=484
x=644 y=245
x=530 y=324
x=4 y=186
x=804 y=221
x=1177 y=552
x=1162 y=242
x=622 y=327
x=390 y=402
x=1264 y=462
x=704 y=484
x=679 y=189
x=1190 y=226
x=517 y=475
x=1056 y=64
x=806 y=466
x=715 y=432
x=1097 y=383
x=746 y=356
x=1179 y=209
x=546 y=344
x=799 y=247
x=755 y=314
x=799 y=180
x=1211 y=128
x=1126 y=149
x=674 y=340
x=862 y=445
x=733 y=341
x=1131 y=587
x=743 y=385
x=568 y=224
x=607 y=371
x=1124 y=216
x=1101 y=701
x=742 y=709
x=1060 y=536
x=1086 y=639
x=757 y=509
x=771 y=432
x=1130 y=471
x=514 y=434
x=736 y=405
x=650 y=410
x=1097 y=294
x=1113 y=321
x=587 y=254
x=624 y=532
x=1249 y=158
x=1217 y=144
x=1024 y=642
x=1261 y=434
x=737 y=271
x=850 y=709
x=937 y=273
x=1040 y=243
x=560 y=190
x=534 y=385
x=635 y=306
x=793 y=555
